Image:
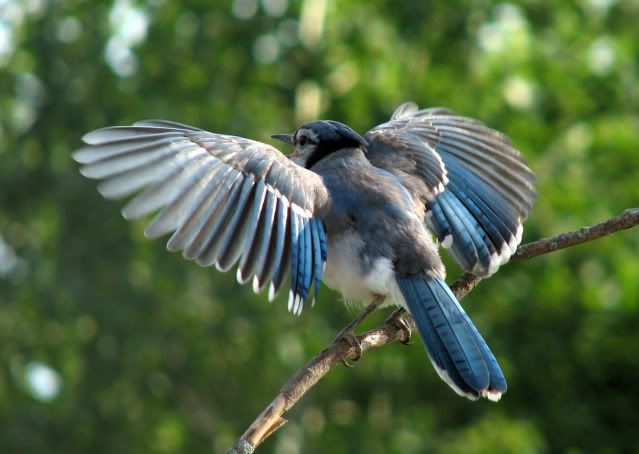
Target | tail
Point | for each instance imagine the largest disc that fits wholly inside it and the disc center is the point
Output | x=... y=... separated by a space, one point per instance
x=458 y=352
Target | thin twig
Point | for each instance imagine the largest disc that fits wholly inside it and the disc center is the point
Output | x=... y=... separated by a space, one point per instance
x=271 y=418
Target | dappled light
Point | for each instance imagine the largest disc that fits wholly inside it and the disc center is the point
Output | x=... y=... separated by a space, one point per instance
x=110 y=343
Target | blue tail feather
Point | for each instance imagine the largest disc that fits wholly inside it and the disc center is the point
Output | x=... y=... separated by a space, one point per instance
x=454 y=345
x=435 y=347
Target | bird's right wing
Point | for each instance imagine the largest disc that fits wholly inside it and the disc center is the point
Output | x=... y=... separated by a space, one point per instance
x=224 y=198
x=474 y=187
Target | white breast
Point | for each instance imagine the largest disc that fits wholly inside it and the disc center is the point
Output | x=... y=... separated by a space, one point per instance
x=355 y=280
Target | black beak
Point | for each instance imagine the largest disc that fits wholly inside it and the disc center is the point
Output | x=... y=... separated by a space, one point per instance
x=288 y=138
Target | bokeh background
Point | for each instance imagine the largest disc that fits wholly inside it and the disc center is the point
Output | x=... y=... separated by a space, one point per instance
x=108 y=343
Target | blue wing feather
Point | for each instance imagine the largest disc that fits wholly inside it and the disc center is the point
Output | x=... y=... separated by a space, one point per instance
x=301 y=265
x=317 y=256
x=462 y=243
x=472 y=183
x=308 y=260
x=484 y=230
x=277 y=254
x=482 y=214
x=477 y=235
x=323 y=241
x=294 y=236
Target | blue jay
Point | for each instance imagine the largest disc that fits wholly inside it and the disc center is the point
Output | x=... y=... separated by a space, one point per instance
x=346 y=209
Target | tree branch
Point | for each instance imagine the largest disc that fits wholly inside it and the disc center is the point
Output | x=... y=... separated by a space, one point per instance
x=304 y=379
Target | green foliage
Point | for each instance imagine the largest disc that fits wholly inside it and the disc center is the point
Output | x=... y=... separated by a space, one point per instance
x=108 y=343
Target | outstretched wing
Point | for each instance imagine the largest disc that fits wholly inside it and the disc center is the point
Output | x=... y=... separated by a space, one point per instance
x=475 y=189
x=224 y=198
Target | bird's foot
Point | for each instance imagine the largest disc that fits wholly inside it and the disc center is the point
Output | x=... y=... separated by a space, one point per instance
x=348 y=333
x=397 y=319
x=351 y=339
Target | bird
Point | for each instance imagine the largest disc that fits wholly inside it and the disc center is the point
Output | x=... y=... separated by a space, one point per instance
x=364 y=214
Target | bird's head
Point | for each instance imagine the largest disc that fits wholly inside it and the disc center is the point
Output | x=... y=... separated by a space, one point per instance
x=317 y=139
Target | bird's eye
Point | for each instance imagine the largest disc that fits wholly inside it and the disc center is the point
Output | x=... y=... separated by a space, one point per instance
x=303 y=140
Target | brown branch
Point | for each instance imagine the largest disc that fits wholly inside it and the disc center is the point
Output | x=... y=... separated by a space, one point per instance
x=304 y=379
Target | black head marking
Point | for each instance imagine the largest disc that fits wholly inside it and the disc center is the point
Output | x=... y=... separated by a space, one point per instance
x=331 y=136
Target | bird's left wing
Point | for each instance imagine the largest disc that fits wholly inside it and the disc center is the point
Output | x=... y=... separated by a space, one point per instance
x=226 y=199
x=474 y=188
